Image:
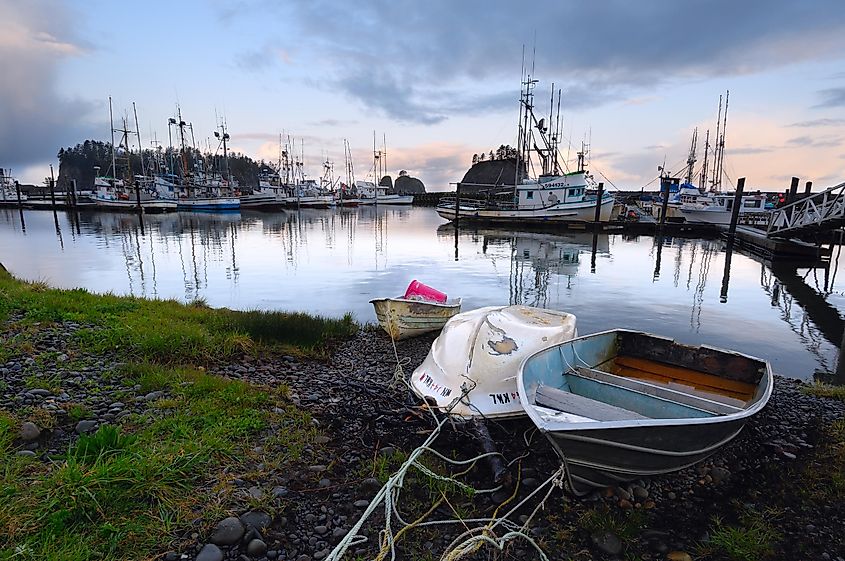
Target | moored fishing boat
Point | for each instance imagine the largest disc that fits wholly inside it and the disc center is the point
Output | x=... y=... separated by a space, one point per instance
x=481 y=350
x=620 y=405
x=553 y=196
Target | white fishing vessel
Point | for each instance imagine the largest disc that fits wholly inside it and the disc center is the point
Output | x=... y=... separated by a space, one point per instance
x=8 y=192
x=132 y=192
x=197 y=191
x=266 y=196
x=372 y=194
x=717 y=208
x=554 y=196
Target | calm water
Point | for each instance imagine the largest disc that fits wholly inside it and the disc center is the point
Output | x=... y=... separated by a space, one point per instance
x=331 y=262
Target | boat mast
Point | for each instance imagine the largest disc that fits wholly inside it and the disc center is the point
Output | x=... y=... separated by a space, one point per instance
x=715 y=178
x=113 y=162
x=138 y=133
x=703 y=181
x=691 y=157
x=721 y=141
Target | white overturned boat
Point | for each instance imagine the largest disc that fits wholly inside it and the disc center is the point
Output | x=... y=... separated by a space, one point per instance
x=620 y=405
x=481 y=350
x=402 y=317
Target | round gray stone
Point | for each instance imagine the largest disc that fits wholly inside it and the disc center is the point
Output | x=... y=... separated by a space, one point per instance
x=86 y=426
x=607 y=542
x=228 y=531
x=210 y=552
x=256 y=519
x=256 y=548
x=30 y=431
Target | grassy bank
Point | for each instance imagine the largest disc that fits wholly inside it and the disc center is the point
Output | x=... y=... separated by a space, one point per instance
x=129 y=489
x=166 y=331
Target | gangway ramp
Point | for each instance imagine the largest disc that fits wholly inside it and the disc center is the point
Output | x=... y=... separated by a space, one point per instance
x=819 y=212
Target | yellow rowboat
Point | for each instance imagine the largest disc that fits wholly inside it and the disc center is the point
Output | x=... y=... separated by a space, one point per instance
x=402 y=318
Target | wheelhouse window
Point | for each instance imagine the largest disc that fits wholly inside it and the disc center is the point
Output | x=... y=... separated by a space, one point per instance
x=529 y=195
x=573 y=192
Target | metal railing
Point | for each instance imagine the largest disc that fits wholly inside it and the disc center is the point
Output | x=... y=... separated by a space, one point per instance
x=817 y=211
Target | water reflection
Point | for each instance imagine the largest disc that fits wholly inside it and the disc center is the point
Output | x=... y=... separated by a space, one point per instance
x=331 y=262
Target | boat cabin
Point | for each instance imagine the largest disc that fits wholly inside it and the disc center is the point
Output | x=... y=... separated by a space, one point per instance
x=552 y=190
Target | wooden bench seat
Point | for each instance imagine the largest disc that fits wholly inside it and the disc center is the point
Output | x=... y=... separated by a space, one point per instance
x=554 y=398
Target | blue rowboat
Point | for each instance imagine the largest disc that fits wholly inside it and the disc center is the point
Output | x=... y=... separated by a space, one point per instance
x=621 y=405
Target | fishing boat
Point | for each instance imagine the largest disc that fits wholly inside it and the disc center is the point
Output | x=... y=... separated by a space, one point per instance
x=404 y=317
x=479 y=352
x=131 y=192
x=717 y=209
x=9 y=194
x=372 y=194
x=621 y=405
x=553 y=196
x=197 y=190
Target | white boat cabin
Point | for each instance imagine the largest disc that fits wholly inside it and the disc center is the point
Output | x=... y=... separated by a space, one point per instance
x=549 y=191
x=368 y=189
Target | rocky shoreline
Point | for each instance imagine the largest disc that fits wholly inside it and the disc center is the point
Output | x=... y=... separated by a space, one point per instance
x=765 y=481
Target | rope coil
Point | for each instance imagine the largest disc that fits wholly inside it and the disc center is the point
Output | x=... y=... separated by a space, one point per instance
x=472 y=539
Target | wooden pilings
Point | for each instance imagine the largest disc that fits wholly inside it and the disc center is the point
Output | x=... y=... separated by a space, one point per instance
x=52 y=188
x=740 y=186
x=18 y=193
x=599 y=196
x=665 y=205
x=808 y=187
x=793 y=191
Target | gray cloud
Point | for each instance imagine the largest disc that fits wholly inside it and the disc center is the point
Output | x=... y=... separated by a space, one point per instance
x=401 y=52
x=750 y=149
x=818 y=123
x=831 y=97
x=818 y=142
x=35 y=120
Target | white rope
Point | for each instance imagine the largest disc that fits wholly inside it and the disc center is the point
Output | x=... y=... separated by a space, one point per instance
x=472 y=539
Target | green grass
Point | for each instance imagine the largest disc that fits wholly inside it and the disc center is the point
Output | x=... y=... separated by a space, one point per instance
x=752 y=540
x=167 y=331
x=626 y=524
x=820 y=389
x=122 y=492
x=129 y=491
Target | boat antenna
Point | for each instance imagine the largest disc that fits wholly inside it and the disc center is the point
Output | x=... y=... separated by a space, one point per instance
x=113 y=162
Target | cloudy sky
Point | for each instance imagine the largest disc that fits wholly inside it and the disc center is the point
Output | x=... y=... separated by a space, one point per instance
x=438 y=79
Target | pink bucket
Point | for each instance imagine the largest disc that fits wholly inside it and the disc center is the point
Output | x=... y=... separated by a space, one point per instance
x=417 y=290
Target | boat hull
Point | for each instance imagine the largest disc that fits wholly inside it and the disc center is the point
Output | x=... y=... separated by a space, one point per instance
x=561 y=213
x=213 y=204
x=402 y=318
x=481 y=350
x=601 y=458
x=653 y=423
x=149 y=206
x=388 y=200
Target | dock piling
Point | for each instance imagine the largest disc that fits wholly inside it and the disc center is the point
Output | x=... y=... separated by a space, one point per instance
x=793 y=191
x=740 y=186
x=18 y=193
x=808 y=187
x=457 y=203
x=598 y=203
x=665 y=205
x=52 y=188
